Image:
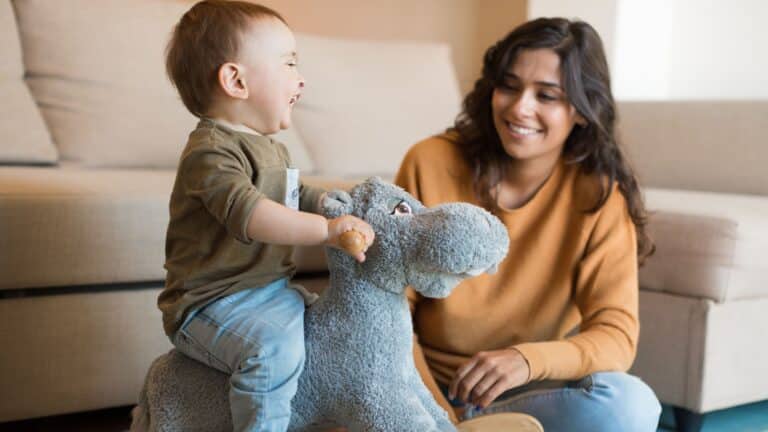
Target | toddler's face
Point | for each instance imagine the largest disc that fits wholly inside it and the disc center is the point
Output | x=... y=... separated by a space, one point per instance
x=268 y=55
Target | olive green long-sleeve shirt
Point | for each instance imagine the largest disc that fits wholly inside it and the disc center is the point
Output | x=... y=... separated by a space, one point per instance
x=221 y=176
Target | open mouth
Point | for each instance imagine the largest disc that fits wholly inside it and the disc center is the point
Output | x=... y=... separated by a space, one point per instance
x=521 y=130
x=295 y=98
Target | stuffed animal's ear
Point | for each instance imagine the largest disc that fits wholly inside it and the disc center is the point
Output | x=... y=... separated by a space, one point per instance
x=375 y=180
x=337 y=203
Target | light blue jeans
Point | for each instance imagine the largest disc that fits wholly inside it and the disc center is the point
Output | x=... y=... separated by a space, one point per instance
x=257 y=337
x=601 y=402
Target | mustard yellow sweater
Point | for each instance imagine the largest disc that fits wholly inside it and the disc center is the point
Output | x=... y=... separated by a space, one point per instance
x=566 y=294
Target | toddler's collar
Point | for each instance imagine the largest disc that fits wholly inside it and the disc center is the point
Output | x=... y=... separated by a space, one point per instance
x=236 y=127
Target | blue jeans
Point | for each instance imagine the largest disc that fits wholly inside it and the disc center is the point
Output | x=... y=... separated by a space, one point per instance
x=257 y=337
x=603 y=401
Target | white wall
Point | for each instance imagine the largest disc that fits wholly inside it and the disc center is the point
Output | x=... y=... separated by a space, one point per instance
x=691 y=49
x=641 y=68
x=677 y=49
x=720 y=51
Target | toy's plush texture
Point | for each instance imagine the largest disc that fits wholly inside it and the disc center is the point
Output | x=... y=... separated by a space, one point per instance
x=359 y=371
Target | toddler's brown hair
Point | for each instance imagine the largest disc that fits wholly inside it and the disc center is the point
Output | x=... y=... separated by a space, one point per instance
x=206 y=37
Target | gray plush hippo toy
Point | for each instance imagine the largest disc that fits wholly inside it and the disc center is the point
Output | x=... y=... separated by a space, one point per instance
x=359 y=371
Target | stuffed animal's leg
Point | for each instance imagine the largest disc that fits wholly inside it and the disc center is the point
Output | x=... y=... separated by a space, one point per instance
x=430 y=404
x=140 y=421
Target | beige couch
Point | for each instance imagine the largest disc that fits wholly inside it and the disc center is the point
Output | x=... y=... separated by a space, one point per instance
x=91 y=132
x=704 y=295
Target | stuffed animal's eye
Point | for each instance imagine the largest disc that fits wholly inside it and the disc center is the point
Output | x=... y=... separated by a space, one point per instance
x=402 y=208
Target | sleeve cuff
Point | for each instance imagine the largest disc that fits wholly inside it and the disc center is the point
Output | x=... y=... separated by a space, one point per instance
x=309 y=200
x=237 y=224
x=534 y=358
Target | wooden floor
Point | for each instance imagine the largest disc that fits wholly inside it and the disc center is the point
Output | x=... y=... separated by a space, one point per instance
x=109 y=420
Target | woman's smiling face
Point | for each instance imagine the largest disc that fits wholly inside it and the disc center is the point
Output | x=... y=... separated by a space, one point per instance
x=531 y=111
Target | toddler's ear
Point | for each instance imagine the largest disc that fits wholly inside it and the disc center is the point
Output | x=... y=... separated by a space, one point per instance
x=232 y=80
x=336 y=203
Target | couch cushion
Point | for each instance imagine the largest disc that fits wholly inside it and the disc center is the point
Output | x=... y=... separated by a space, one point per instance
x=707 y=245
x=107 y=99
x=77 y=351
x=702 y=355
x=367 y=102
x=74 y=226
x=86 y=334
x=25 y=138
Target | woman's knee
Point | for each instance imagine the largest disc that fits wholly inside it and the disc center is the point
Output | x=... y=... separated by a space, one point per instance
x=626 y=400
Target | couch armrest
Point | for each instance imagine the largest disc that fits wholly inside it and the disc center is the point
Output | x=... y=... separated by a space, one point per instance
x=708 y=245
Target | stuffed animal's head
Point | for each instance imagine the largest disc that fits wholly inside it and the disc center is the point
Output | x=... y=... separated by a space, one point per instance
x=430 y=249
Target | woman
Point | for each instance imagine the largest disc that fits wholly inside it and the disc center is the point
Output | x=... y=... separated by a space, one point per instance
x=552 y=333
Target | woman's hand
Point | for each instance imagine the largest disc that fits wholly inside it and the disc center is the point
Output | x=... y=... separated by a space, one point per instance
x=489 y=374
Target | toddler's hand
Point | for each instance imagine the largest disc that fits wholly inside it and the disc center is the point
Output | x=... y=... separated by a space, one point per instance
x=342 y=224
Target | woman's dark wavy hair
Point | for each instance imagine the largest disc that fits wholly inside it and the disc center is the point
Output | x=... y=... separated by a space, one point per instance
x=587 y=84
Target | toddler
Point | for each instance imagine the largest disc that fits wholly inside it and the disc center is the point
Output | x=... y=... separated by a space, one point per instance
x=238 y=207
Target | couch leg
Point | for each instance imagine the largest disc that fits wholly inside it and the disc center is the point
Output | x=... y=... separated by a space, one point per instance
x=688 y=421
